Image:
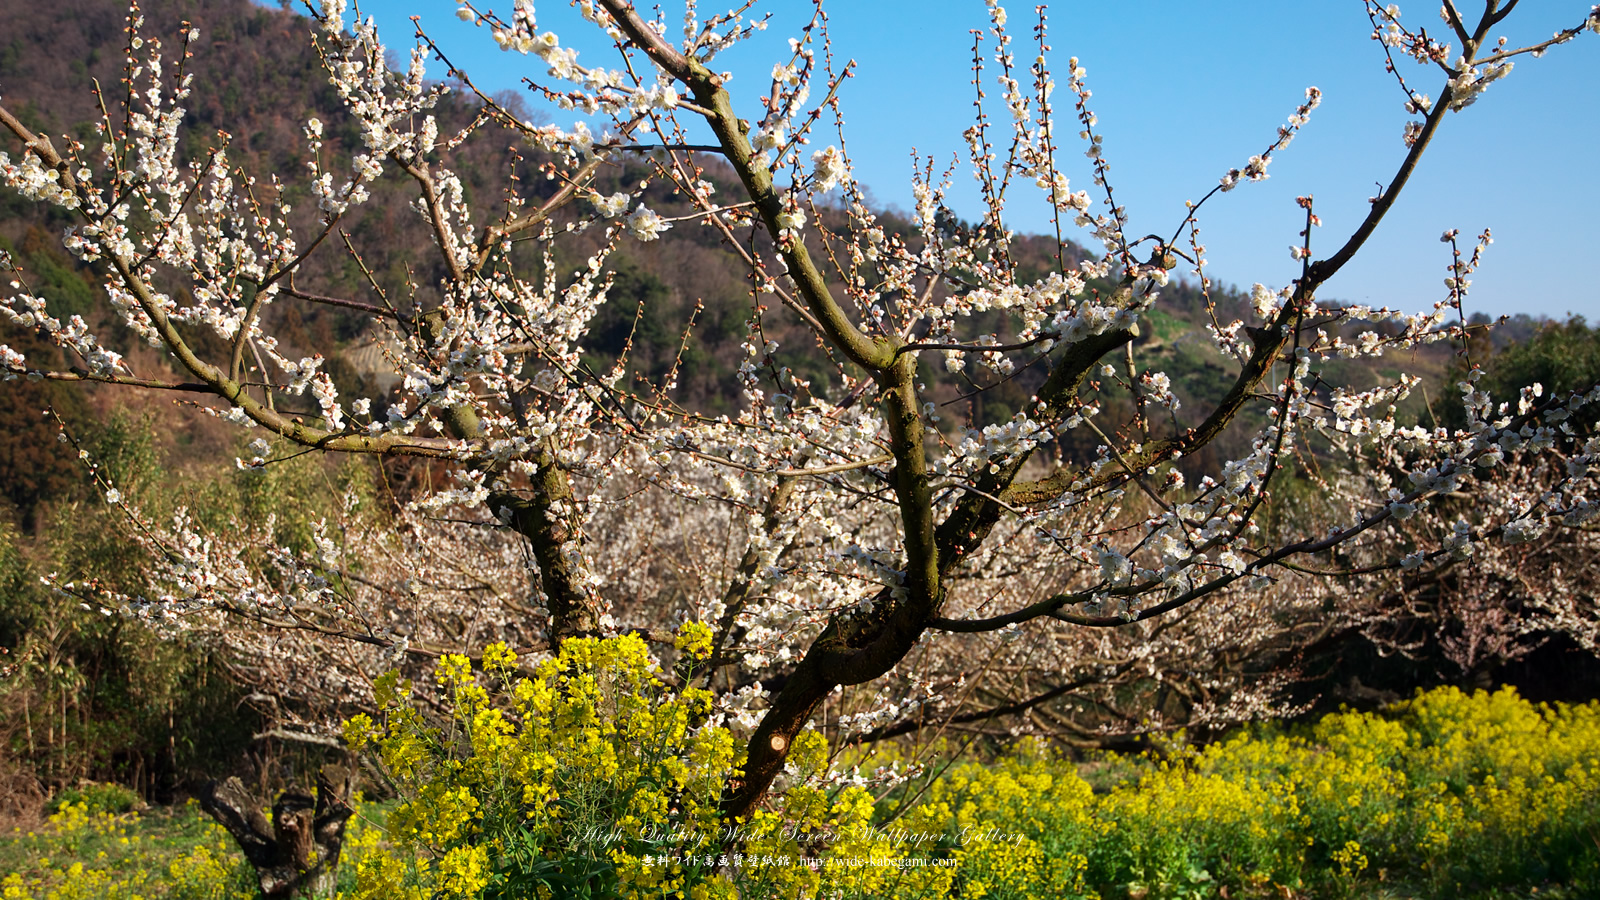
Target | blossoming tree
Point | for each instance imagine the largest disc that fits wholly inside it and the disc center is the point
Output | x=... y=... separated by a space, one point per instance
x=861 y=540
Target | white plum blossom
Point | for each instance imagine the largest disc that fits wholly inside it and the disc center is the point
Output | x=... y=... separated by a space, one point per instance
x=645 y=224
x=790 y=223
x=828 y=168
x=613 y=205
x=1114 y=567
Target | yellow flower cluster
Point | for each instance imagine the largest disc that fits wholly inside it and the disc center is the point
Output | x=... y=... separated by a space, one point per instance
x=565 y=779
x=590 y=775
x=593 y=774
x=1002 y=825
x=87 y=854
x=695 y=640
x=1445 y=791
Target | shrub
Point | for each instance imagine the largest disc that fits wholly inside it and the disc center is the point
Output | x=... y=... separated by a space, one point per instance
x=594 y=774
x=596 y=777
x=97 y=797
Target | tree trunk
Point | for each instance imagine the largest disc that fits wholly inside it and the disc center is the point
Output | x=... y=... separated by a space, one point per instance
x=297 y=853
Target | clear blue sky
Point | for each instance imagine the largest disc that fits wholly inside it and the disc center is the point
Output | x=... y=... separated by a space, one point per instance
x=1185 y=91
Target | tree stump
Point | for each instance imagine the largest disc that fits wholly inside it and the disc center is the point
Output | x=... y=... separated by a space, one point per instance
x=296 y=854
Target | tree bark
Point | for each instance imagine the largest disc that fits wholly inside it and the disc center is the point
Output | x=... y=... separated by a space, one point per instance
x=296 y=854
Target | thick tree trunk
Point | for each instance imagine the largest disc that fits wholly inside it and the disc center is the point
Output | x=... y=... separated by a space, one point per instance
x=297 y=853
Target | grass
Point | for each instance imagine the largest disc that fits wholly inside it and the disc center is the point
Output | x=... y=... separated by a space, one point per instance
x=87 y=851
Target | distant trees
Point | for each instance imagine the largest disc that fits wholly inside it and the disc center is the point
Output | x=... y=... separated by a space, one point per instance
x=1562 y=356
x=859 y=553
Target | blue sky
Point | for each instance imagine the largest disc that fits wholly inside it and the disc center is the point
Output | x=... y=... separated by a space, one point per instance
x=1183 y=92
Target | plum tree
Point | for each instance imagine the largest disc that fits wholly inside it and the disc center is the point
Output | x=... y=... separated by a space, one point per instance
x=835 y=531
